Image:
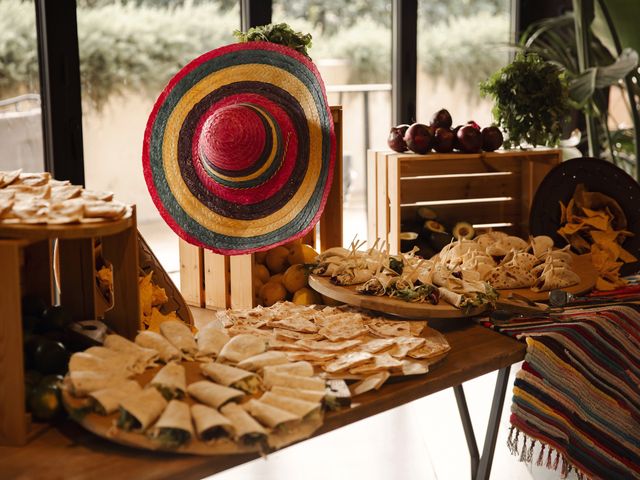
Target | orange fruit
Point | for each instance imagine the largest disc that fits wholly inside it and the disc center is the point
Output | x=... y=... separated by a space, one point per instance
x=261 y=272
x=295 y=278
x=272 y=292
x=306 y=296
x=276 y=259
x=308 y=253
x=259 y=257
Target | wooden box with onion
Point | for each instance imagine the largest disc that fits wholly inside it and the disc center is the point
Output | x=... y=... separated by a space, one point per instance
x=488 y=190
x=211 y=280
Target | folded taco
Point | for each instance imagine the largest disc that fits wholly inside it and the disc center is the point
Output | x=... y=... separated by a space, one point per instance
x=211 y=339
x=213 y=394
x=166 y=351
x=232 y=377
x=145 y=357
x=174 y=427
x=272 y=378
x=269 y=415
x=315 y=396
x=139 y=411
x=106 y=400
x=302 y=408
x=241 y=347
x=210 y=424
x=171 y=381
x=180 y=336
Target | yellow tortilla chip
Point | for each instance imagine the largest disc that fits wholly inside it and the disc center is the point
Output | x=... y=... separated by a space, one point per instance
x=158 y=295
x=153 y=321
x=146 y=294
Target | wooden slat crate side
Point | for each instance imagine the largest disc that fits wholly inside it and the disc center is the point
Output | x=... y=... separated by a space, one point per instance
x=331 y=219
x=464 y=187
x=13 y=419
x=372 y=199
x=241 y=277
x=191 y=273
x=382 y=198
x=393 y=192
x=216 y=280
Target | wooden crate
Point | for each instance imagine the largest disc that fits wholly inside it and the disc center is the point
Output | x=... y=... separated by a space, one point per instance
x=216 y=281
x=490 y=190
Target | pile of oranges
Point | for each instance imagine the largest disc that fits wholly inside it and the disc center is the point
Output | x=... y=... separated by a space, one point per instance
x=282 y=274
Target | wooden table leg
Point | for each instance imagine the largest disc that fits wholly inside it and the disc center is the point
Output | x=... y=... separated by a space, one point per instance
x=481 y=465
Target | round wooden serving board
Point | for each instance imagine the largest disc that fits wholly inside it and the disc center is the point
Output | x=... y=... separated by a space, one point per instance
x=104 y=425
x=389 y=305
x=581 y=264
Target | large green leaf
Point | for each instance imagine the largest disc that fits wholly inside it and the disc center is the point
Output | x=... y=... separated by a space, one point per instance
x=583 y=86
x=624 y=15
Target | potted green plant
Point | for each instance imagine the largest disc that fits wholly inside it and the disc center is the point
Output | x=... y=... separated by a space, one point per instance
x=531 y=101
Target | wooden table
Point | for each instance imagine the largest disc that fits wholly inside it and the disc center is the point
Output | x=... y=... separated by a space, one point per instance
x=68 y=451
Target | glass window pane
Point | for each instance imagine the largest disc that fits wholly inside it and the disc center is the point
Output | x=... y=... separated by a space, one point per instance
x=128 y=52
x=460 y=44
x=20 y=115
x=352 y=49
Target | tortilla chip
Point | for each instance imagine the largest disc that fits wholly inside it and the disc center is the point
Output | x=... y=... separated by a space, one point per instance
x=371 y=382
x=347 y=362
x=381 y=362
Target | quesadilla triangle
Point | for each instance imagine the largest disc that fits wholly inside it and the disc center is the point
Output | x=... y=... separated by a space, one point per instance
x=270 y=416
x=210 y=424
x=210 y=340
x=232 y=377
x=302 y=408
x=242 y=347
x=213 y=394
x=106 y=400
x=83 y=382
x=247 y=430
x=180 y=336
x=145 y=357
x=301 y=368
x=173 y=429
x=272 y=378
x=139 y=411
x=315 y=396
x=268 y=358
x=170 y=381
x=154 y=340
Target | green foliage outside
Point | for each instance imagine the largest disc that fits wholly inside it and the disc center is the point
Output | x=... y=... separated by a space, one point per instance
x=139 y=44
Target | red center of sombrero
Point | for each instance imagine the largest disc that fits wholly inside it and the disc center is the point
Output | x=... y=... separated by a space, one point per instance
x=233 y=137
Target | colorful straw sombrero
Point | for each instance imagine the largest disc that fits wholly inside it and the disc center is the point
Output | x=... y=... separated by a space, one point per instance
x=239 y=149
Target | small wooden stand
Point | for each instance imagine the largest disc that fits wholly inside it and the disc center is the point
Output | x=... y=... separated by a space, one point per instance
x=211 y=280
x=27 y=261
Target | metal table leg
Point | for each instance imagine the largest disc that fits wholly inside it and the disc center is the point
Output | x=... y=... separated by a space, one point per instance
x=481 y=465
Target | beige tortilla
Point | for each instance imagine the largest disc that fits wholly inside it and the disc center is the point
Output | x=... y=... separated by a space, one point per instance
x=556 y=278
x=224 y=374
x=213 y=394
x=84 y=382
x=110 y=398
x=210 y=340
x=173 y=377
x=145 y=406
x=243 y=423
x=242 y=347
x=315 y=396
x=302 y=408
x=154 y=340
x=117 y=366
x=268 y=358
x=301 y=368
x=269 y=415
x=145 y=357
x=270 y=379
x=177 y=415
x=180 y=336
x=206 y=418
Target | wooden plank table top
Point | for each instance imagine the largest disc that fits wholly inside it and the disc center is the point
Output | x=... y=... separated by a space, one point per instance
x=67 y=451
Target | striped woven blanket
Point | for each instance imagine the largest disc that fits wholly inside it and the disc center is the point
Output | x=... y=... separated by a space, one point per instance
x=577 y=395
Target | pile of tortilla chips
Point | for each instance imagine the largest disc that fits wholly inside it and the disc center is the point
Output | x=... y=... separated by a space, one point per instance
x=593 y=222
x=152 y=298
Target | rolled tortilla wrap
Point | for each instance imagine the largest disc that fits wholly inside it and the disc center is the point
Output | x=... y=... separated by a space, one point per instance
x=272 y=378
x=171 y=381
x=211 y=424
x=450 y=297
x=107 y=399
x=241 y=347
x=154 y=340
x=211 y=339
x=315 y=396
x=269 y=415
x=145 y=357
x=174 y=427
x=213 y=394
x=231 y=376
x=118 y=365
x=84 y=382
x=301 y=408
x=301 y=368
x=247 y=430
x=269 y=358
x=139 y=411
x=180 y=336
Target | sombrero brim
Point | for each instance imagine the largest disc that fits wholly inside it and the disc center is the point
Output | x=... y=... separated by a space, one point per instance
x=233 y=209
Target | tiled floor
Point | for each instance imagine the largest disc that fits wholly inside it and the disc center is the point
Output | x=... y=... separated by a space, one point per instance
x=421 y=440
